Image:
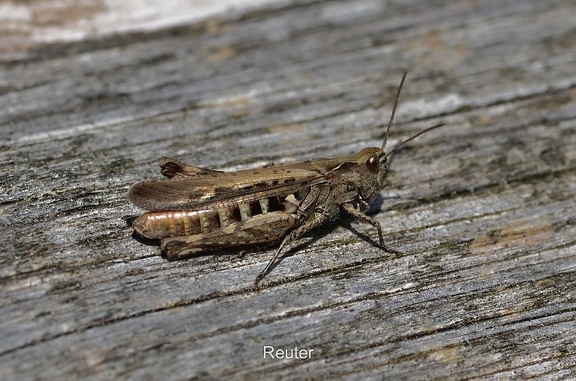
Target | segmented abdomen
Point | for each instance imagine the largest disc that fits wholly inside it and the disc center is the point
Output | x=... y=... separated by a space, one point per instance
x=176 y=223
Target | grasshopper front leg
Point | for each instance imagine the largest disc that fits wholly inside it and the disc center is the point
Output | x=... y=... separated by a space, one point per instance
x=348 y=207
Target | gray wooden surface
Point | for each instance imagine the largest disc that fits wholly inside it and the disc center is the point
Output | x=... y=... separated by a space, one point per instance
x=483 y=209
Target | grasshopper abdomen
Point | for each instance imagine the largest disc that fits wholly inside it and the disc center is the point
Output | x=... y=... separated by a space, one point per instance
x=178 y=223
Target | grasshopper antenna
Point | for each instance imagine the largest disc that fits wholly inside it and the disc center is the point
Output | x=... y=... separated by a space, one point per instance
x=394 y=110
x=392 y=120
x=413 y=137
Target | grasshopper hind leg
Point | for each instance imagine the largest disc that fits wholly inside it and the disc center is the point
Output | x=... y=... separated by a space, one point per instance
x=260 y=229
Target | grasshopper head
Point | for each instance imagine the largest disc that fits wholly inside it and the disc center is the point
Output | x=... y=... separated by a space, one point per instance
x=378 y=165
x=369 y=168
x=375 y=160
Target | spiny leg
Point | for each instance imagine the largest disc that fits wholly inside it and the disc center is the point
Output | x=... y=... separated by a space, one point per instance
x=312 y=216
x=363 y=217
x=310 y=224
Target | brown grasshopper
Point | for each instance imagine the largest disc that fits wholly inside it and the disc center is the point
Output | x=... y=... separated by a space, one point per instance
x=198 y=209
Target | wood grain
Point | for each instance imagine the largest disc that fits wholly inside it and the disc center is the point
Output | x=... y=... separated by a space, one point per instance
x=482 y=209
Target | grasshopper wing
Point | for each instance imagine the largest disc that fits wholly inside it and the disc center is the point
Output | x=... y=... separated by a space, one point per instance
x=220 y=189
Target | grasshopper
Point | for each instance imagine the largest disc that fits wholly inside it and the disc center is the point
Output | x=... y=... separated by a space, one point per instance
x=198 y=209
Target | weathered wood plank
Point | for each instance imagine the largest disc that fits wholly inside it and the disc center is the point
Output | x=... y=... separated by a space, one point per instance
x=483 y=209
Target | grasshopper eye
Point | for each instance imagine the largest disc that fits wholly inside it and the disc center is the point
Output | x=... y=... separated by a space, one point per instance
x=373 y=164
